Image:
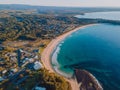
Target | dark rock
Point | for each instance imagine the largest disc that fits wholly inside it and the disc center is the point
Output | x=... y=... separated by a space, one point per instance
x=87 y=80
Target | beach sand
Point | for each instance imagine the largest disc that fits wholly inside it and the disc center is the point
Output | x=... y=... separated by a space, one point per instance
x=46 y=54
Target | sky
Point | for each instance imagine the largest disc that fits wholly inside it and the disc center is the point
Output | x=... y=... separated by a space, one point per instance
x=76 y=3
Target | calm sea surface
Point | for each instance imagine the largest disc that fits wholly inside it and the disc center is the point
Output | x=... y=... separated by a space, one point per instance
x=101 y=15
x=95 y=49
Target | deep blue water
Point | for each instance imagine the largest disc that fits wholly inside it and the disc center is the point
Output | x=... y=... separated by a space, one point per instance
x=95 y=49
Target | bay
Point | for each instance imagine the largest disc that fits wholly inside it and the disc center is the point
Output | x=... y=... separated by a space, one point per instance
x=95 y=49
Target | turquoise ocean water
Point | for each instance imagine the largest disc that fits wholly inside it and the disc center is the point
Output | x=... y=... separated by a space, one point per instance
x=96 y=49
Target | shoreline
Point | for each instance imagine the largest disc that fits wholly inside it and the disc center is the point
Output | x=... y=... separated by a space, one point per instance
x=46 y=54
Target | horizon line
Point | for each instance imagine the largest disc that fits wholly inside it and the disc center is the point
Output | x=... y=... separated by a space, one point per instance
x=64 y=6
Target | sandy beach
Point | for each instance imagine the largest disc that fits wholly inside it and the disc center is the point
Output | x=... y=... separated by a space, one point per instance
x=45 y=57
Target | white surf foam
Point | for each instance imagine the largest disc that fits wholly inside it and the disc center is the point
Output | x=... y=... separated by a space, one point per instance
x=55 y=63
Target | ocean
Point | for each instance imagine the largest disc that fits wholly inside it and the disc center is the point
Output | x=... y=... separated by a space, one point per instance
x=95 y=49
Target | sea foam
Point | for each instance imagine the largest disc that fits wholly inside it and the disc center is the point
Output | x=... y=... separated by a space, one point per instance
x=55 y=64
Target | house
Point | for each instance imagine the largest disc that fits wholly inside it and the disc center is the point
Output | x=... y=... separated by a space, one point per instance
x=39 y=88
x=1 y=78
x=37 y=65
x=13 y=54
x=36 y=57
x=31 y=60
x=25 y=60
x=4 y=71
x=2 y=60
x=14 y=70
x=35 y=51
x=13 y=58
x=21 y=50
x=1 y=48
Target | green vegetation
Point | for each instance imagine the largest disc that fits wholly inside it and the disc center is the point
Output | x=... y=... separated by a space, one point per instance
x=42 y=78
x=31 y=27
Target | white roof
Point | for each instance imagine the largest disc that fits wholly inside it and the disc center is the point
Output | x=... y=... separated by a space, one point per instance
x=36 y=57
x=37 y=65
x=21 y=50
x=4 y=71
x=31 y=60
x=14 y=69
